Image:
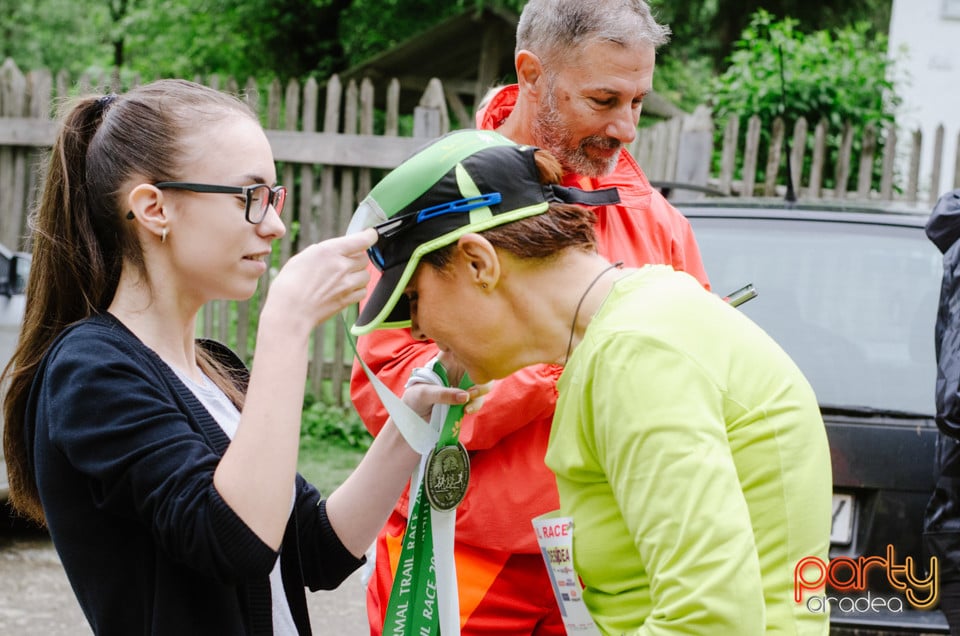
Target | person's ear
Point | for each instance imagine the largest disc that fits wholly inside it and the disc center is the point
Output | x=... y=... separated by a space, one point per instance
x=529 y=70
x=480 y=260
x=145 y=205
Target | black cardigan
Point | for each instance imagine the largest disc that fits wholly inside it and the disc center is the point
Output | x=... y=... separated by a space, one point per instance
x=124 y=456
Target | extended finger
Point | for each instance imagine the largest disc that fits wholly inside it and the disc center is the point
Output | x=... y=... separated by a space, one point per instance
x=477 y=393
x=358 y=243
x=422 y=397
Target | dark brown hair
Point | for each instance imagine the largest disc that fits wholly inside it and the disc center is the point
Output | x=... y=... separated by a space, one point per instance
x=81 y=237
x=541 y=236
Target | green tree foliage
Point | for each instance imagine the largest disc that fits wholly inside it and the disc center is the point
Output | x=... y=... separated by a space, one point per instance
x=712 y=27
x=684 y=81
x=238 y=38
x=32 y=33
x=841 y=75
x=183 y=38
x=300 y=38
x=369 y=27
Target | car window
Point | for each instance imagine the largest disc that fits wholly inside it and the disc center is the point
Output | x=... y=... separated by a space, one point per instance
x=854 y=304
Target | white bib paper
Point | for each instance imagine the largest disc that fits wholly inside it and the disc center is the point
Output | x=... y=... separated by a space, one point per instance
x=555 y=536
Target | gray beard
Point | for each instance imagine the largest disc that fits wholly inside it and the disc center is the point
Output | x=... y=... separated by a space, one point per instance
x=551 y=133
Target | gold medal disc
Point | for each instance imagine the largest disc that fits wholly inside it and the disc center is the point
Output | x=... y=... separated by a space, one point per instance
x=446 y=476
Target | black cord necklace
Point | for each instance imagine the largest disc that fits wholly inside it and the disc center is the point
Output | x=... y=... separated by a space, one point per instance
x=576 y=312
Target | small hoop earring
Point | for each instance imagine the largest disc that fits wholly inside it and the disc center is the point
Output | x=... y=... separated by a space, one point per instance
x=163 y=235
x=483 y=285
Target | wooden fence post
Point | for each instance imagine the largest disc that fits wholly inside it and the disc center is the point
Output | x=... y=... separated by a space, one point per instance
x=351 y=123
x=313 y=226
x=750 y=151
x=391 y=126
x=670 y=147
x=728 y=154
x=843 y=162
x=63 y=83
x=430 y=117
x=935 y=166
x=889 y=158
x=13 y=171
x=798 y=153
x=868 y=149
x=819 y=158
x=331 y=124
x=913 y=175
x=365 y=179
x=956 y=165
x=774 y=151
x=282 y=114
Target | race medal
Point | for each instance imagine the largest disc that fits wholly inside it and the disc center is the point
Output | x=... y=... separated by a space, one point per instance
x=446 y=476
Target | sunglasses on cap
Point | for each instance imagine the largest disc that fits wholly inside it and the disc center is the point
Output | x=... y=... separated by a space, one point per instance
x=395 y=226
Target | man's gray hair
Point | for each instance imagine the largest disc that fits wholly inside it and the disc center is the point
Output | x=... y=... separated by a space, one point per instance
x=553 y=28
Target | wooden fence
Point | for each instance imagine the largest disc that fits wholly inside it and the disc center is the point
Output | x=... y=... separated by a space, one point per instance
x=680 y=151
x=329 y=155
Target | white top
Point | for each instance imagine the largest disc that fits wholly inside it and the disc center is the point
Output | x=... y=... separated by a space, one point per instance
x=228 y=417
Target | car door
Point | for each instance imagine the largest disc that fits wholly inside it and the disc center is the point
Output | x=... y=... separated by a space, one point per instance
x=853 y=299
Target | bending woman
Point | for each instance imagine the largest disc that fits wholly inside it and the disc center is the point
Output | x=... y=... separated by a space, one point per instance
x=687 y=447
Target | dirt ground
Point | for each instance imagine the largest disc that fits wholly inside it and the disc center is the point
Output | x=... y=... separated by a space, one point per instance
x=35 y=597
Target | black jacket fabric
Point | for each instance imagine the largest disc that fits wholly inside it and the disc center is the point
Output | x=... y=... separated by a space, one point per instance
x=943 y=228
x=942 y=519
x=124 y=456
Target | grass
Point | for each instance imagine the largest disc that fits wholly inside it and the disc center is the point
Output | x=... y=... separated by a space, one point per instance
x=327 y=463
x=332 y=442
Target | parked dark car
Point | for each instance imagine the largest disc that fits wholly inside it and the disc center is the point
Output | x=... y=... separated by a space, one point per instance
x=14 y=267
x=851 y=295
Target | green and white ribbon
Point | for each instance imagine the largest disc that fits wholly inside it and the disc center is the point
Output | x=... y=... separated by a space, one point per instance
x=424 y=600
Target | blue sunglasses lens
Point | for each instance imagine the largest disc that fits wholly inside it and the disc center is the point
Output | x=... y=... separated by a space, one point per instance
x=398 y=224
x=376 y=257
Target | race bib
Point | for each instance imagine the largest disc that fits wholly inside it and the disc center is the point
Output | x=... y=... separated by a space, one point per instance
x=555 y=536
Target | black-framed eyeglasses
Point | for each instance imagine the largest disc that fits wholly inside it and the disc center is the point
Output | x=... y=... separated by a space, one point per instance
x=259 y=196
x=394 y=226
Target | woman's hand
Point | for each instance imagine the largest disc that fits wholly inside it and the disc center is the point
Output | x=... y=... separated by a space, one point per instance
x=455 y=372
x=422 y=397
x=322 y=279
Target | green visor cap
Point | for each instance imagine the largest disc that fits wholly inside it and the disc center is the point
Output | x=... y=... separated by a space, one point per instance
x=466 y=181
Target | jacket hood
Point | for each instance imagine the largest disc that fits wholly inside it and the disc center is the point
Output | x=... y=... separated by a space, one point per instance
x=943 y=227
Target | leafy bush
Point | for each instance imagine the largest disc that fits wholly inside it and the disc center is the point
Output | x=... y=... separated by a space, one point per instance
x=840 y=76
x=683 y=80
x=339 y=425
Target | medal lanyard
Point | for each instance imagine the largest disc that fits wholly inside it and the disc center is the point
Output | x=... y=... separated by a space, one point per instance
x=424 y=597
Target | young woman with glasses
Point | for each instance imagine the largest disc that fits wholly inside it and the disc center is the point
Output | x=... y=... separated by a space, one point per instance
x=165 y=472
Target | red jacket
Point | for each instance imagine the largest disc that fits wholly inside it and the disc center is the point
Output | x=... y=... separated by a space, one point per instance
x=507 y=438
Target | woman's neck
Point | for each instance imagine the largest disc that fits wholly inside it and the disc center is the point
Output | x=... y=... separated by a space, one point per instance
x=595 y=291
x=159 y=321
x=548 y=296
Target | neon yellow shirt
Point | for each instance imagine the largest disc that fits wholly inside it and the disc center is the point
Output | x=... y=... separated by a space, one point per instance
x=691 y=454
